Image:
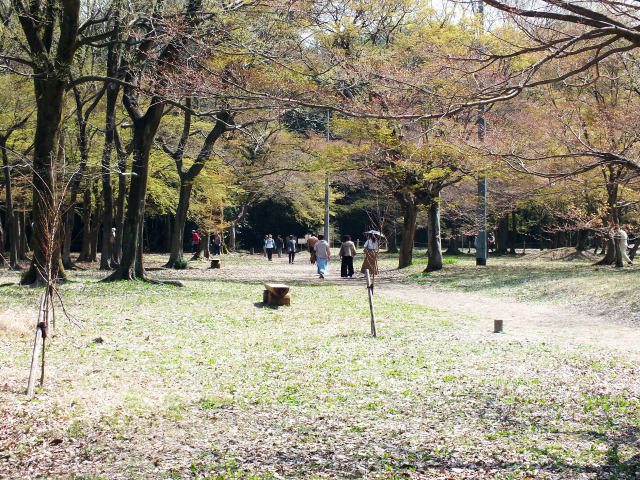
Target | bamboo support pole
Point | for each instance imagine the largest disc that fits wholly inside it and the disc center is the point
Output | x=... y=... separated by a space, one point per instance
x=370 y=292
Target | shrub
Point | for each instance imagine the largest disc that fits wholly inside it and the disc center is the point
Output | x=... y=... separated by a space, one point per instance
x=180 y=264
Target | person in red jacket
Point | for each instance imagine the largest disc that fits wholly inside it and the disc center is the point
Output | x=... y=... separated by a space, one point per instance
x=195 y=241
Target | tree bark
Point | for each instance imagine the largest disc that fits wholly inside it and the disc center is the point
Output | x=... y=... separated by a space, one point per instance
x=582 y=239
x=232 y=236
x=95 y=225
x=410 y=216
x=3 y=260
x=51 y=73
x=513 y=233
x=453 y=247
x=144 y=130
x=86 y=226
x=610 y=256
x=167 y=240
x=12 y=225
x=177 y=236
x=434 y=253
x=82 y=120
x=23 y=244
x=120 y=202
x=106 y=255
x=502 y=235
x=204 y=245
x=392 y=241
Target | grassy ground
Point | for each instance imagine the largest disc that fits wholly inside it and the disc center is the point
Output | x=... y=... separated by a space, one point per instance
x=205 y=382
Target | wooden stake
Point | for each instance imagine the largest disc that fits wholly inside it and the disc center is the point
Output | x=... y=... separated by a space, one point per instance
x=370 y=292
x=34 y=361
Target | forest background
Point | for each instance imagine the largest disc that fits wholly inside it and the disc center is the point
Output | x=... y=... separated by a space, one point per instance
x=156 y=118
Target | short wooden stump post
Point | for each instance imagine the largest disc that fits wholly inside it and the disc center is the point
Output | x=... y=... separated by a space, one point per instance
x=497 y=326
x=215 y=263
x=276 y=294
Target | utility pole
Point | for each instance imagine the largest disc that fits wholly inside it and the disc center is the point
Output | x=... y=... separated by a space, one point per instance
x=326 y=190
x=481 y=239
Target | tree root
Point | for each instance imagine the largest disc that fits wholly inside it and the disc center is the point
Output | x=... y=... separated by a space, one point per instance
x=130 y=276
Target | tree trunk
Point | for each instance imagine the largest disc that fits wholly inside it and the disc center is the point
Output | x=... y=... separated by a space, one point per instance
x=177 y=237
x=619 y=254
x=3 y=260
x=45 y=214
x=120 y=204
x=23 y=244
x=392 y=241
x=513 y=233
x=167 y=240
x=12 y=226
x=51 y=68
x=187 y=177
x=435 y=249
x=68 y=232
x=109 y=143
x=410 y=216
x=86 y=226
x=144 y=131
x=232 y=237
x=453 y=247
x=581 y=240
x=204 y=245
x=610 y=256
x=95 y=225
x=502 y=235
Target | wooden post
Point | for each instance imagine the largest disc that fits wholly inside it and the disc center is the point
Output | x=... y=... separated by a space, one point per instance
x=497 y=326
x=370 y=292
x=34 y=361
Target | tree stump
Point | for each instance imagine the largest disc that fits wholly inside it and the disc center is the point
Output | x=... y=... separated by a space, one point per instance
x=276 y=294
x=497 y=326
x=215 y=263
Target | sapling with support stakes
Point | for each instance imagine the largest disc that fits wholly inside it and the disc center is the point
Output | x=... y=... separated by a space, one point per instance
x=47 y=275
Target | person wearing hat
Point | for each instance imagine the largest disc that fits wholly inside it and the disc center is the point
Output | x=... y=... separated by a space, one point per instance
x=370 y=255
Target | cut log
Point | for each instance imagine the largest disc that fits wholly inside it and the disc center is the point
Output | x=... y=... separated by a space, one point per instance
x=270 y=299
x=277 y=289
x=215 y=263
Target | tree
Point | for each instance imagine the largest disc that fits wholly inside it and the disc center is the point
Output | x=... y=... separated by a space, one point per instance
x=52 y=35
x=223 y=121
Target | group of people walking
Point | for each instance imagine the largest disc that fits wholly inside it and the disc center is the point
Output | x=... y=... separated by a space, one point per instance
x=320 y=253
x=272 y=245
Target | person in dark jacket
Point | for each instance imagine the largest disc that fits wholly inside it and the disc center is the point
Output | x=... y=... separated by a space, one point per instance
x=291 y=248
x=347 y=252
